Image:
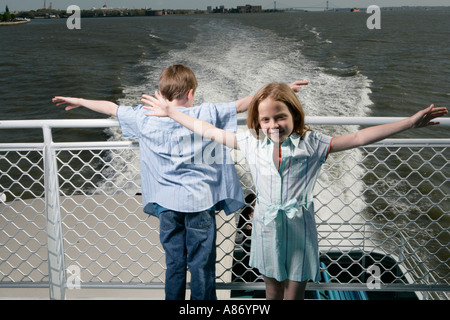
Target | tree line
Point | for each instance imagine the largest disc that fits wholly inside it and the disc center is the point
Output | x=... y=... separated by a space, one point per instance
x=7 y=16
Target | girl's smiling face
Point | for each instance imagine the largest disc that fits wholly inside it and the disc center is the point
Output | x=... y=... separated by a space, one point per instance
x=275 y=120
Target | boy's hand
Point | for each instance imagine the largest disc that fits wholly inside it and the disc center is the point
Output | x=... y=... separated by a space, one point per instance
x=158 y=105
x=105 y=107
x=72 y=102
x=296 y=85
x=423 y=118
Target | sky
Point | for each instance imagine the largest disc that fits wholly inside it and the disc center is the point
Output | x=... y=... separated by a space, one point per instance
x=21 y=5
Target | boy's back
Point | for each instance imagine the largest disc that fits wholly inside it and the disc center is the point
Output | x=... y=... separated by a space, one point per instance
x=181 y=171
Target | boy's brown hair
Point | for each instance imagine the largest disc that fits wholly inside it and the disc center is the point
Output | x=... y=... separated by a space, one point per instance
x=278 y=92
x=175 y=81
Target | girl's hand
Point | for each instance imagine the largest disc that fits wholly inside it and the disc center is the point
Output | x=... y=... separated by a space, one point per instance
x=297 y=85
x=158 y=105
x=423 y=118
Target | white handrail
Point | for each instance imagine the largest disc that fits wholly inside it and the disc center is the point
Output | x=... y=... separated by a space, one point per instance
x=364 y=121
x=58 y=123
x=99 y=123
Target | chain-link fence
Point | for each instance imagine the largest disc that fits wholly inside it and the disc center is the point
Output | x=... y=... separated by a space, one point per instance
x=71 y=216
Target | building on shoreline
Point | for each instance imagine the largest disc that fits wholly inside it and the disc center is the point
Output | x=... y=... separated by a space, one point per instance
x=249 y=9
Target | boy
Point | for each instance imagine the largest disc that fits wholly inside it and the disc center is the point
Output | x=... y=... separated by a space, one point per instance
x=178 y=185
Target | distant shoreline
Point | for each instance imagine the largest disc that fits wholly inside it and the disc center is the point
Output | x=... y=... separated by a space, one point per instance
x=12 y=23
x=124 y=12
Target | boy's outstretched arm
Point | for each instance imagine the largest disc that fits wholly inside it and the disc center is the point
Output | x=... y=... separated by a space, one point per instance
x=105 y=107
x=161 y=109
x=370 y=135
x=243 y=104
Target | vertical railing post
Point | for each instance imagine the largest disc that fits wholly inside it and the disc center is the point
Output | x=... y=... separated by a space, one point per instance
x=55 y=244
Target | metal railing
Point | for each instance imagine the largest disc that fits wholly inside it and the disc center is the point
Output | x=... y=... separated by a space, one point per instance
x=71 y=216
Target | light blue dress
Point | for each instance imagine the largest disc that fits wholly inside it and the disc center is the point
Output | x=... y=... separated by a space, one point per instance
x=284 y=235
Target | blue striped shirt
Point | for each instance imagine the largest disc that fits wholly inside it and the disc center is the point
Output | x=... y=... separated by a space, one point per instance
x=284 y=234
x=180 y=170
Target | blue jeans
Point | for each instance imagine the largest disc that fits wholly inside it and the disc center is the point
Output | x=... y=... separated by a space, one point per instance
x=189 y=240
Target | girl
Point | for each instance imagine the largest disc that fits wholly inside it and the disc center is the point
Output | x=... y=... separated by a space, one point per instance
x=285 y=157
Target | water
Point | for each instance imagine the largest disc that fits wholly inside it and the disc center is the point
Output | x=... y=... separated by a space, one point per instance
x=353 y=71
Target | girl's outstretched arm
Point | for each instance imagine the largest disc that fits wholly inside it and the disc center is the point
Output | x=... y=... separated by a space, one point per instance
x=370 y=135
x=161 y=109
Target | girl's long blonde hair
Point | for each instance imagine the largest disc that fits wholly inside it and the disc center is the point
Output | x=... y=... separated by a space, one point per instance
x=278 y=92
